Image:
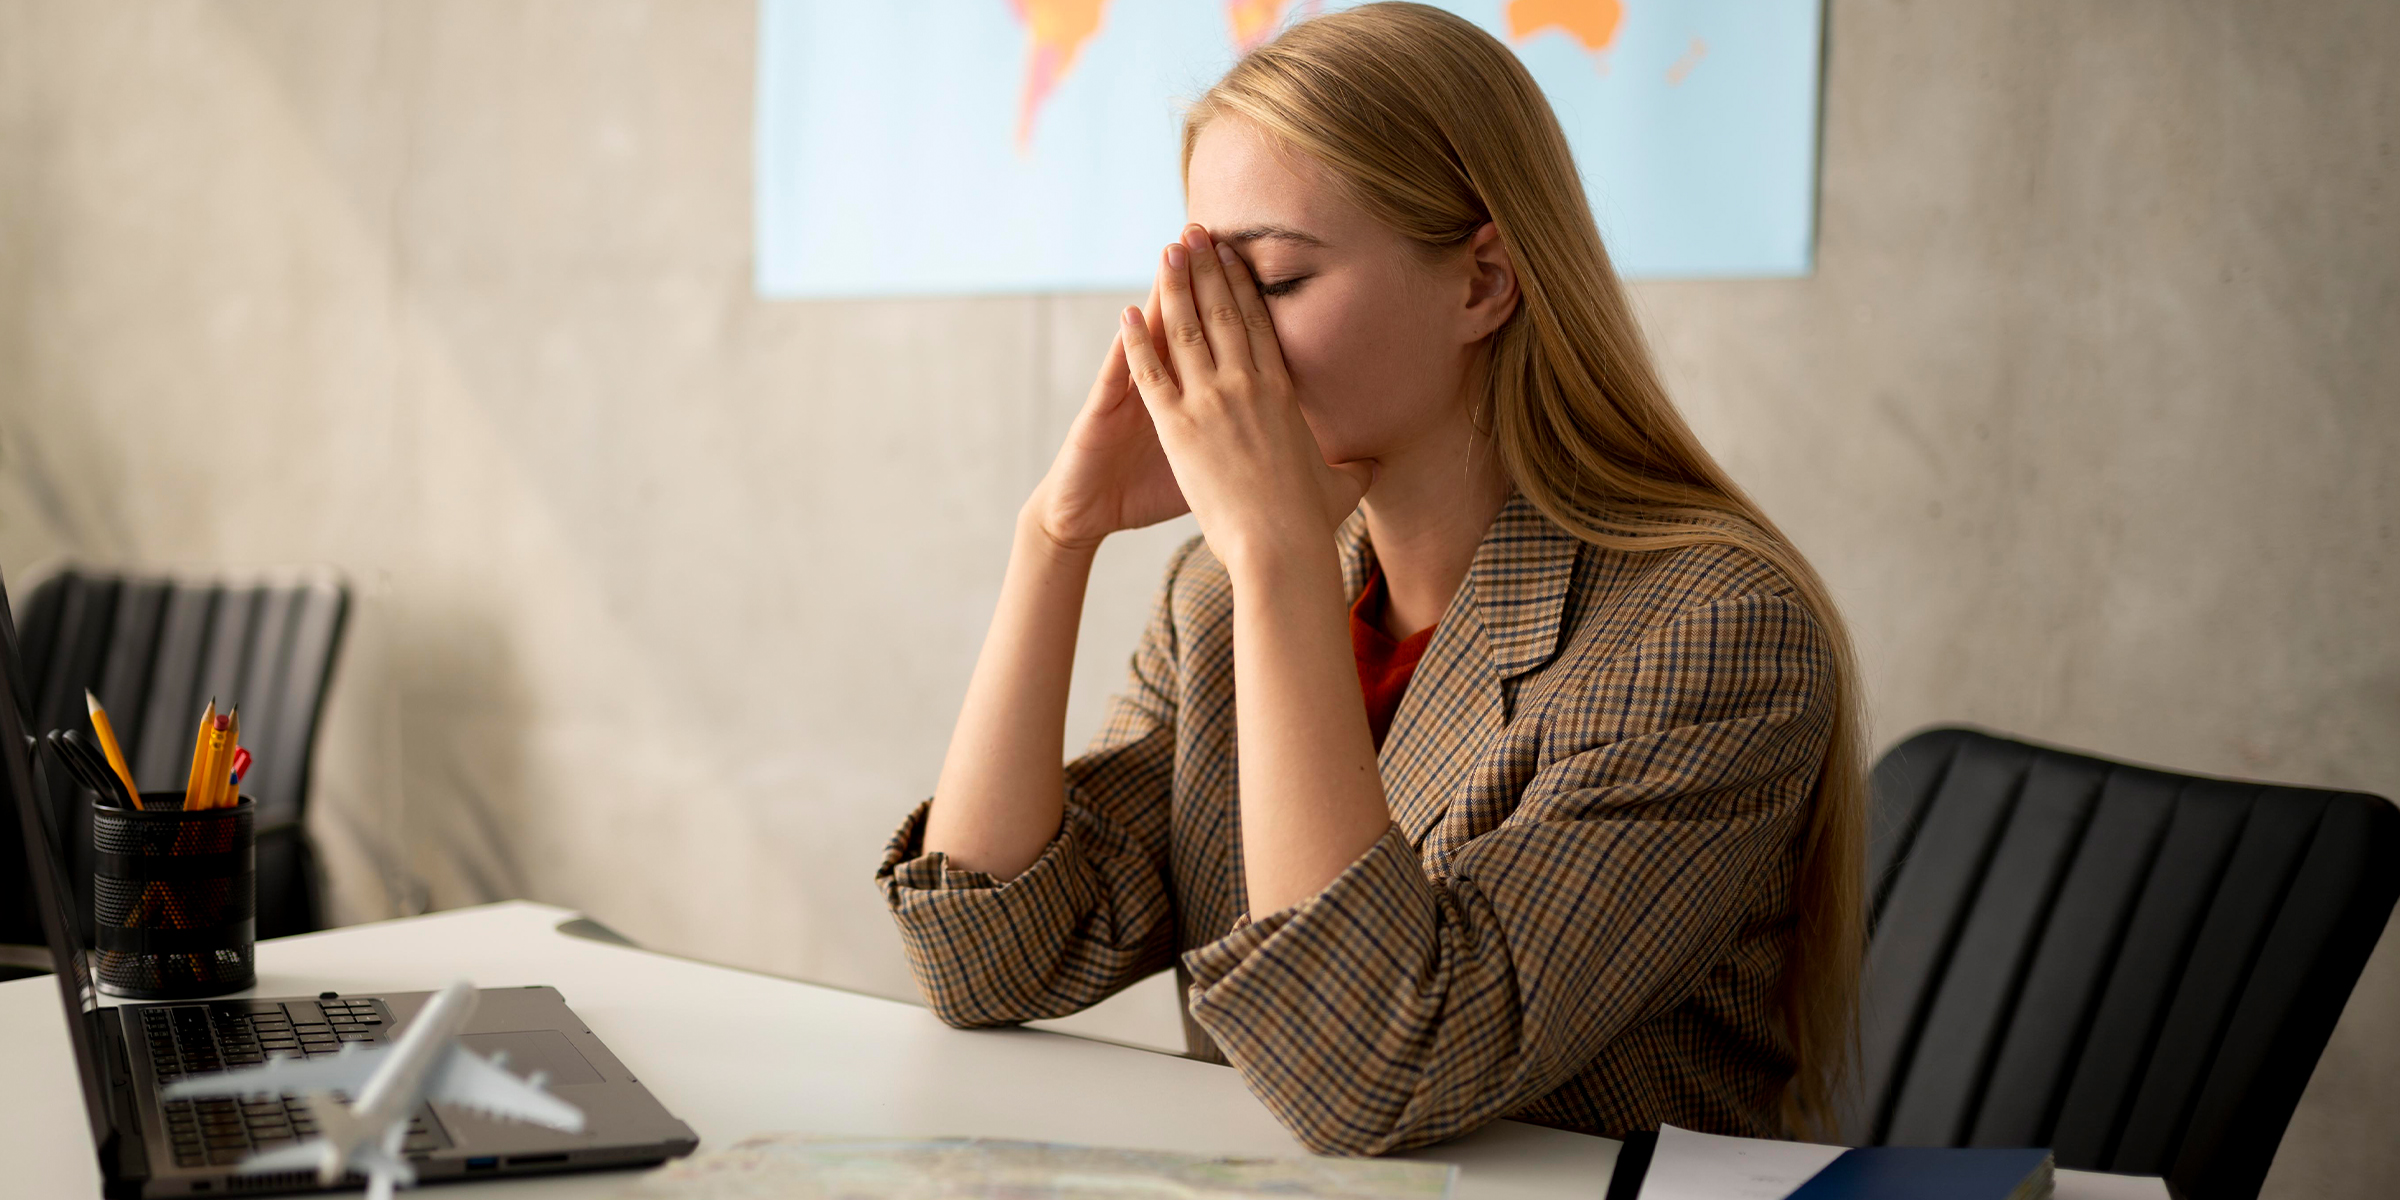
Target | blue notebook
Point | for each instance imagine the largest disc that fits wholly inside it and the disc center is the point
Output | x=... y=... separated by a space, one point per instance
x=1915 y=1172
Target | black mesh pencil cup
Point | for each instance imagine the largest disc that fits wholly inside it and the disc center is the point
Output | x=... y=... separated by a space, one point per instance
x=174 y=899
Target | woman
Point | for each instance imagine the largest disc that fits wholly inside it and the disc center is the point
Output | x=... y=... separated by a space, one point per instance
x=1489 y=754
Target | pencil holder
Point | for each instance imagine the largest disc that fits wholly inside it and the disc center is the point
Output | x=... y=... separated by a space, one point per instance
x=174 y=899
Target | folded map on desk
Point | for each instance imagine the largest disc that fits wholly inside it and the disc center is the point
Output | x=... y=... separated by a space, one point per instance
x=796 y=1167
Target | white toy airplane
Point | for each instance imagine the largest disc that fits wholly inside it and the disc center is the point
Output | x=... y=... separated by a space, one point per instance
x=425 y=1063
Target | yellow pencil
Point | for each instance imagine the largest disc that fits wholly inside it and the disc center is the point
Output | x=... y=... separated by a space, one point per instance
x=212 y=790
x=108 y=745
x=195 y=793
x=227 y=796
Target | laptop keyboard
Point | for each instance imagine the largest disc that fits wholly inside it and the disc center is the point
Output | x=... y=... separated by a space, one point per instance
x=200 y=1039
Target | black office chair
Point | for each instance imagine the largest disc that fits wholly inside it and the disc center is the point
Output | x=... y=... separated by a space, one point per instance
x=2136 y=968
x=155 y=650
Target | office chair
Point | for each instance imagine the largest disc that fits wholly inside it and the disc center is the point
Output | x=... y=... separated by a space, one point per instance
x=2136 y=968
x=155 y=650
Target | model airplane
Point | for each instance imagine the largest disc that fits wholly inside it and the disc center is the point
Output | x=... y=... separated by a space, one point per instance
x=425 y=1063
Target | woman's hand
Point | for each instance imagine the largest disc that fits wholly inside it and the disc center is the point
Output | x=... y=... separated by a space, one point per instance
x=1225 y=414
x=1229 y=421
x=1110 y=474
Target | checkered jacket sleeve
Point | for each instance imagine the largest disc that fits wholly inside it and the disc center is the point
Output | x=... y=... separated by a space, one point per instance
x=1093 y=914
x=1404 y=1004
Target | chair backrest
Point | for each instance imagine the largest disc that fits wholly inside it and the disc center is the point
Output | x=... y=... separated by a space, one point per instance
x=156 y=649
x=2136 y=968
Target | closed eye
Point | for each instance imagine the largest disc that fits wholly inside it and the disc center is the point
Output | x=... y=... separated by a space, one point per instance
x=1281 y=287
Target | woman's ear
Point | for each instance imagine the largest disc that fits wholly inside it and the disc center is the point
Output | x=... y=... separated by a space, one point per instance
x=1492 y=285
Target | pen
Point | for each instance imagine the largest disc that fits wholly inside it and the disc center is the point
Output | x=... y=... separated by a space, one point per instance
x=85 y=765
x=95 y=769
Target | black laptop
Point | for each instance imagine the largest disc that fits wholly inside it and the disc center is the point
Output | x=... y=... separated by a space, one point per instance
x=125 y=1053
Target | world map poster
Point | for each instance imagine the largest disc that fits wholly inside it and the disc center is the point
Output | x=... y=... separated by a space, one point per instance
x=915 y=147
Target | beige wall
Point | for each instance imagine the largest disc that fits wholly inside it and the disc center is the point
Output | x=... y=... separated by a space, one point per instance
x=667 y=594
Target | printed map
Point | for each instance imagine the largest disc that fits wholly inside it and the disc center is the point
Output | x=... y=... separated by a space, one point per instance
x=944 y=146
x=794 y=1167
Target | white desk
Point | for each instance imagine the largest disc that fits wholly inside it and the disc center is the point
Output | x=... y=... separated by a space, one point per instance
x=734 y=1054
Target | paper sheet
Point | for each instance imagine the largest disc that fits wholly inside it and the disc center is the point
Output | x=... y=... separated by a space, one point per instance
x=2096 y=1185
x=798 y=1167
x=1704 y=1166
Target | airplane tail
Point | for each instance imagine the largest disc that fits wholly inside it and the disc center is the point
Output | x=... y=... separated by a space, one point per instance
x=385 y=1167
x=344 y=1143
x=341 y=1132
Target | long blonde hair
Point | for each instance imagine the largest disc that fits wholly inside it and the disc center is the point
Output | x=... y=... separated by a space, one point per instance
x=1434 y=127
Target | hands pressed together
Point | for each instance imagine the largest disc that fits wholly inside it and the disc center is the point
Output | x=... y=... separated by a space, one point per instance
x=1194 y=410
x=1217 y=431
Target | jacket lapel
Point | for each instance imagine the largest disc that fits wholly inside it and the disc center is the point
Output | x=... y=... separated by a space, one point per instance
x=1503 y=623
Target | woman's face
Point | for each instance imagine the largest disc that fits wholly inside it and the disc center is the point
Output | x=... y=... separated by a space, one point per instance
x=1371 y=328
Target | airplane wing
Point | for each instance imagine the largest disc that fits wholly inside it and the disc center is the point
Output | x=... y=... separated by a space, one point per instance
x=379 y=1160
x=469 y=1081
x=302 y=1156
x=344 y=1072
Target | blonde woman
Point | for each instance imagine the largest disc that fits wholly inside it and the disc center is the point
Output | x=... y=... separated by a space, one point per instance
x=1489 y=754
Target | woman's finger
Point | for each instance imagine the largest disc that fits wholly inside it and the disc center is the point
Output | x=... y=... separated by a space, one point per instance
x=1212 y=297
x=1187 y=342
x=1258 y=328
x=1149 y=373
x=1115 y=379
x=1155 y=322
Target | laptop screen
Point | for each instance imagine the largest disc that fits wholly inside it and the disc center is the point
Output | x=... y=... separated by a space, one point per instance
x=49 y=876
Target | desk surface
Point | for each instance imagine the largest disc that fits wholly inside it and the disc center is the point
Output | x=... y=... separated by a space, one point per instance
x=733 y=1054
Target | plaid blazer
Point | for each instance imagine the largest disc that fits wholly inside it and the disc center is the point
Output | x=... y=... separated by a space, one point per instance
x=1598 y=780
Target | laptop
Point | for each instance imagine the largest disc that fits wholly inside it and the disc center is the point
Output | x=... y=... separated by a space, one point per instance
x=126 y=1053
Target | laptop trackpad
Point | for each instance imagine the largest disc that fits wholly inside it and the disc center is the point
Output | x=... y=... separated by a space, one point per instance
x=531 y=1050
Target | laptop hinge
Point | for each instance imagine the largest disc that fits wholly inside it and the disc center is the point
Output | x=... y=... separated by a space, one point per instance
x=125 y=1157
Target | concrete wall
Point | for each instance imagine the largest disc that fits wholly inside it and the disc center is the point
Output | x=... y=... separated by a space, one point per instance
x=667 y=594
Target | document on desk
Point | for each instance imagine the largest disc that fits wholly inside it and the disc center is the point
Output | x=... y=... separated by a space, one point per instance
x=1706 y=1166
x=797 y=1167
